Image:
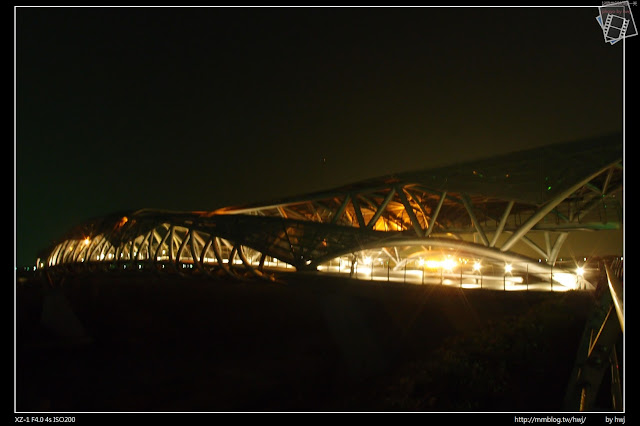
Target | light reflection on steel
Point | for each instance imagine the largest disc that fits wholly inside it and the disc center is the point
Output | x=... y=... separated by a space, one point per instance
x=615 y=287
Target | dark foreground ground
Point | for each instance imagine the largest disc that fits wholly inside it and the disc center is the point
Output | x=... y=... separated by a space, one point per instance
x=155 y=343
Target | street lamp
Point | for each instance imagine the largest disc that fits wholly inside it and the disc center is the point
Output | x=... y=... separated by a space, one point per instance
x=507 y=270
x=477 y=266
x=579 y=275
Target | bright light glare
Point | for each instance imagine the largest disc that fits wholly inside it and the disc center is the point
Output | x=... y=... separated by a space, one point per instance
x=580 y=271
x=470 y=285
x=448 y=264
x=367 y=260
x=477 y=266
x=364 y=270
x=87 y=241
x=508 y=268
x=433 y=264
x=567 y=280
x=421 y=262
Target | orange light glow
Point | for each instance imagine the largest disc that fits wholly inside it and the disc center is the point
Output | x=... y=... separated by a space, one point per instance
x=122 y=222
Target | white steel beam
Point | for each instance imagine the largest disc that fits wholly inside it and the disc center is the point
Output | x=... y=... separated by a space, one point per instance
x=503 y=221
x=434 y=214
x=409 y=210
x=381 y=208
x=535 y=247
x=546 y=208
x=467 y=204
x=555 y=250
x=358 y=211
x=341 y=209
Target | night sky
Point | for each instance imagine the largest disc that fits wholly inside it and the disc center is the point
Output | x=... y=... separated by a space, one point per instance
x=200 y=108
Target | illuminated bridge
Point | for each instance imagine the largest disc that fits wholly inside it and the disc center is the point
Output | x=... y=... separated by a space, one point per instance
x=497 y=222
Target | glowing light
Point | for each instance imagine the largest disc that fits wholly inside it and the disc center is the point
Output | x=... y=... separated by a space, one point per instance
x=568 y=281
x=579 y=271
x=364 y=271
x=87 y=241
x=421 y=262
x=508 y=268
x=433 y=264
x=448 y=264
x=468 y=285
x=367 y=260
x=477 y=266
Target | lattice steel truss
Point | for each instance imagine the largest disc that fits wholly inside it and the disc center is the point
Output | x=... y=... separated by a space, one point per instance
x=518 y=208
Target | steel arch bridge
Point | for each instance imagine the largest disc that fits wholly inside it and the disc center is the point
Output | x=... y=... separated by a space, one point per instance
x=509 y=214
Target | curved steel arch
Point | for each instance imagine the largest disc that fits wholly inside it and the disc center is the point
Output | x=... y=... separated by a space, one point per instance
x=518 y=262
x=510 y=207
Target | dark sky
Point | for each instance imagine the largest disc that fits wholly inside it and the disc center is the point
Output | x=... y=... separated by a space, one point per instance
x=200 y=108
